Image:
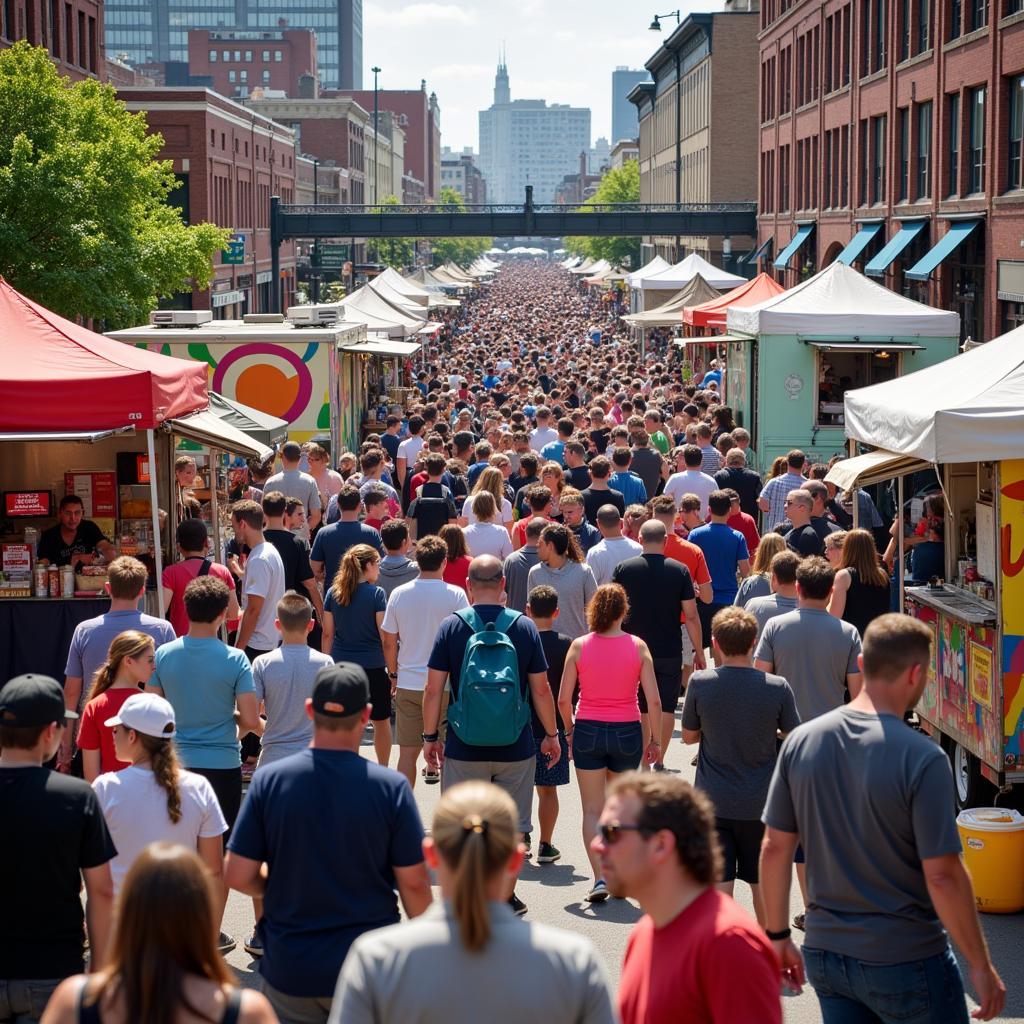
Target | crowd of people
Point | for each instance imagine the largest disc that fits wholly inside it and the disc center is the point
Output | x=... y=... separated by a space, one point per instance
x=533 y=566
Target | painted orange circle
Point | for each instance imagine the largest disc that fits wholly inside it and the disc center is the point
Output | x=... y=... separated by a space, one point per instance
x=268 y=388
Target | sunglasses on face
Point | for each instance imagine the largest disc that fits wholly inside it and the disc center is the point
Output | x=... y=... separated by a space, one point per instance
x=612 y=832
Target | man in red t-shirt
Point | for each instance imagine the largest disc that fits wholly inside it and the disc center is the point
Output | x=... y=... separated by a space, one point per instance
x=739 y=520
x=193 y=545
x=696 y=957
x=538 y=501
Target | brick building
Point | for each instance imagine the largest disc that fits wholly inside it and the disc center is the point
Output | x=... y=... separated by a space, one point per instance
x=698 y=125
x=892 y=137
x=236 y=62
x=460 y=172
x=71 y=30
x=230 y=161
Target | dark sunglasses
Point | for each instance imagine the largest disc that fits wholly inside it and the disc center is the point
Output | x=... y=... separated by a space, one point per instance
x=612 y=833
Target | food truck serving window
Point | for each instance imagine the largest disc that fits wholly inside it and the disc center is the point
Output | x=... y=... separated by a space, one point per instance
x=843 y=366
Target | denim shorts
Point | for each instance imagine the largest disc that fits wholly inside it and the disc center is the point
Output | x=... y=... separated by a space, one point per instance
x=850 y=991
x=614 y=746
x=557 y=776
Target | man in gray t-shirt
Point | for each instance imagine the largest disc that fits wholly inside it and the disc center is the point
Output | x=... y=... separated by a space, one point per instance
x=870 y=801
x=293 y=483
x=815 y=652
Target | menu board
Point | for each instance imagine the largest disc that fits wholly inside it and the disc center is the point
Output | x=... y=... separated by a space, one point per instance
x=96 y=488
x=28 y=504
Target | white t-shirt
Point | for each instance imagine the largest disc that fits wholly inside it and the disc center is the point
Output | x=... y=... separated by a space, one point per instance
x=409 y=449
x=488 y=539
x=264 y=577
x=607 y=553
x=541 y=436
x=414 y=612
x=692 y=481
x=135 y=808
x=467 y=510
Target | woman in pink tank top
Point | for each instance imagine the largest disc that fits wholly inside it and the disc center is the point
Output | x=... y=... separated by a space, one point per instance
x=609 y=665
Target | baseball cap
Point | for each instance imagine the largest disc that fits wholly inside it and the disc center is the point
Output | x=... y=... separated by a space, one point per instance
x=33 y=700
x=340 y=690
x=146 y=713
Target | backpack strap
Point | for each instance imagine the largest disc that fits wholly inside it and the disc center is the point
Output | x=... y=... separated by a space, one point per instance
x=86 y=1014
x=233 y=1010
x=506 y=619
x=470 y=617
x=204 y=569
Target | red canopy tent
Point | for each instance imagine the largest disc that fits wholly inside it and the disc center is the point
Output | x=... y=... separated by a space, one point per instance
x=56 y=375
x=712 y=314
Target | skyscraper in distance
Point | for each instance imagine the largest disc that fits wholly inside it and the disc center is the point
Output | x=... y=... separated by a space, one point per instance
x=151 y=31
x=625 y=124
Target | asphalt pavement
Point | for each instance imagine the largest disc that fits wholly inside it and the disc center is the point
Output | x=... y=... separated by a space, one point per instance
x=554 y=894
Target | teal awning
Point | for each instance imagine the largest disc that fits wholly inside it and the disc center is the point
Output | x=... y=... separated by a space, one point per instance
x=761 y=252
x=858 y=243
x=802 y=234
x=957 y=233
x=906 y=234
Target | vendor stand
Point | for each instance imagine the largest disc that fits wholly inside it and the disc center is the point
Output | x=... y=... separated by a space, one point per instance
x=965 y=418
x=791 y=359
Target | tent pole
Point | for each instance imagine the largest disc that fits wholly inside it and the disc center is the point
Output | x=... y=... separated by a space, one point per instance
x=158 y=554
x=899 y=519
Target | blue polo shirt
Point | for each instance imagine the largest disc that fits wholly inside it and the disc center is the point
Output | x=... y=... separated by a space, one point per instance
x=331 y=543
x=723 y=549
x=630 y=486
x=331 y=826
x=447 y=656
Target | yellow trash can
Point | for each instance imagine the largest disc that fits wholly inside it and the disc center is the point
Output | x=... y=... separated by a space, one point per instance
x=993 y=840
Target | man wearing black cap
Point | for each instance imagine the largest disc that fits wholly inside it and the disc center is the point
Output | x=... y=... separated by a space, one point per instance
x=61 y=838
x=293 y=483
x=299 y=813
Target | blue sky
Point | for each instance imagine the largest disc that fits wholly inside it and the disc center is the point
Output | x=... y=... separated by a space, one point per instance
x=563 y=51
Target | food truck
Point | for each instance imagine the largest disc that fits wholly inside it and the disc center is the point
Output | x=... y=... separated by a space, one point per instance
x=965 y=419
x=791 y=359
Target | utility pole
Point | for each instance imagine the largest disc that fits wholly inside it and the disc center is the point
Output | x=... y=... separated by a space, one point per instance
x=376 y=147
x=314 y=263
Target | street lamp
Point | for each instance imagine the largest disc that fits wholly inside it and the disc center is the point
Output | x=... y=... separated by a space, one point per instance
x=376 y=147
x=655 y=25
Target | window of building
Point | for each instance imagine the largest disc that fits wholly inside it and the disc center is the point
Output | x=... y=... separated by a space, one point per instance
x=976 y=165
x=903 y=121
x=880 y=33
x=1014 y=7
x=226 y=56
x=243 y=75
x=924 y=150
x=1015 y=177
x=266 y=77
x=266 y=56
x=905 y=8
x=784 y=179
x=213 y=56
x=248 y=56
x=238 y=56
x=277 y=56
x=232 y=75
x=954 y=144
x=979 y=14
x=956 y=19
x=878 y=125
x=862 y=162
x=923 y=27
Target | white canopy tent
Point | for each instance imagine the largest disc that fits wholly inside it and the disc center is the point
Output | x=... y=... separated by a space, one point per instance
x=367 y=306
x=965 y=409
x=595 y=268
x=840 y=302
x=671 y=313
x=678 y=276
x=383 y=287
x=404 y=286
x=656 y=266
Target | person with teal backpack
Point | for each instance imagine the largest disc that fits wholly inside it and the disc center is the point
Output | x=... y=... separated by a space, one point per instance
x=493 y=658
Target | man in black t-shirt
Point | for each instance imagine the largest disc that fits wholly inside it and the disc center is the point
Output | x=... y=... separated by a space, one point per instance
x=661 y=595
x=74 y=539
x=433 y=505
x=55 y=836
x=802 y=537
x=599 y=493
x=745 y=482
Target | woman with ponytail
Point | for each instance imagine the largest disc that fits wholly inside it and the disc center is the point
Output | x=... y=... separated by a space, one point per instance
x=500 y=967
x=153 y=798
x=128 y=667
x=353 y=613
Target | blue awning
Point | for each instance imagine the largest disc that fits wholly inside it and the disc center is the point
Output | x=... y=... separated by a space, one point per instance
x=957 y=233
x=761 y=252
x=906 y=234
x=858 y=243
x=802 y=234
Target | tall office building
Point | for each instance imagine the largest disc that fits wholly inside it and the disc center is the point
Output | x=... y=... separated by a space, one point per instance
x=527 y=142
x=155 y=31
x=625 y=124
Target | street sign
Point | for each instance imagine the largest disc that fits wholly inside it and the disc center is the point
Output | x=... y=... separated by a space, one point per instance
x=235 y=250
x=333 y=256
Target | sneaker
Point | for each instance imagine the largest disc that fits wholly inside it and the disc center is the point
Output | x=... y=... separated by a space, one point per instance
x=799 y=921
x=528 y=843
x=693 y=763
x=225 y=943
x=431 y=777
x=548 y=854
x=254 y=945
x=517 y=905
x=599 y=893
x=658 y=766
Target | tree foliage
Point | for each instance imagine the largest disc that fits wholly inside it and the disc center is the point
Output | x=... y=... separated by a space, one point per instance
x=619 y=185
x=462 y=251
x=397 y=253
x=85 y=223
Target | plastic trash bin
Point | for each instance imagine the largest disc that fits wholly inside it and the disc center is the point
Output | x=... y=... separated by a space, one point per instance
x=993 y=840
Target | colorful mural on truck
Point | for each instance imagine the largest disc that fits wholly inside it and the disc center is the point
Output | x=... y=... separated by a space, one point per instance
x=1011 y=569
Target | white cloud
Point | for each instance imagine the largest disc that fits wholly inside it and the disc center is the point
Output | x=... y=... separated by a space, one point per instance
x=418 y=15
x=461 y=71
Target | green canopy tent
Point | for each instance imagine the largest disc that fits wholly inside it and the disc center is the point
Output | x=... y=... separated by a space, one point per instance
x=271 y=430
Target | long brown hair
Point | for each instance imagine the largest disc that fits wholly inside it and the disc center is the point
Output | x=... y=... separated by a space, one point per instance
x=455 y=540
x=475 y=832
x=165 y=930
x=129 y=644
x=166 y=771
x=491 y=481
x=606 y=607
x=861 y=555
x=771 y=544
x=350 y=572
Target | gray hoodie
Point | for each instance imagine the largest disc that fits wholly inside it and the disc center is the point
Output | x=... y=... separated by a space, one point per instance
x=396 y=570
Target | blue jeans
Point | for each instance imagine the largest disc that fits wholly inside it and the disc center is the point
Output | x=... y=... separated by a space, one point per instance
x=853 y=991
x=23 y=1002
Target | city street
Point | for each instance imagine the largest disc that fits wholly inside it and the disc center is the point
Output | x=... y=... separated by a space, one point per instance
x=554 y=894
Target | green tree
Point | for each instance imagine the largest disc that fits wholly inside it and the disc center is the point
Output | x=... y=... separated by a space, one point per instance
x=619 y=185
x=397 y=253
x=85 y=222
x=460 y=250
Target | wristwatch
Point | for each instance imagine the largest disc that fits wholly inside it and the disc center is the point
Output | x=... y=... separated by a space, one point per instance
x=430 y=737
x=392 y=675
x=779 y=936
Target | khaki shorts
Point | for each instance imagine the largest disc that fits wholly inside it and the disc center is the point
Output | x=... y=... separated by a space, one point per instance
x=688 y=652
x=409 y=717
x=515 y=777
